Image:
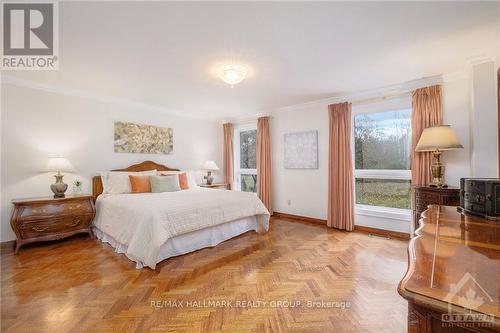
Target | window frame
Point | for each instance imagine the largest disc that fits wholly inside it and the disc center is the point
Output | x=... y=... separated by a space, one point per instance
x=237 y=171
x=378 y=211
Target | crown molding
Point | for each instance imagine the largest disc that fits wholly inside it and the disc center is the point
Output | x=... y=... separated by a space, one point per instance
x=382 y=93
x=478 y=59
x=12 y=80
x=244 y=119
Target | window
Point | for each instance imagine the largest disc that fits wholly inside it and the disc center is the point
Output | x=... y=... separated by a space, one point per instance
x=245 y=168
x=382 y=143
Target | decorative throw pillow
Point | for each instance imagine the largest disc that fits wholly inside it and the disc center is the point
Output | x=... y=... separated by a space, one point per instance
x=140 y=184
x=164 y=184
x=183 y=178
x=117 y=182
x=183 y=181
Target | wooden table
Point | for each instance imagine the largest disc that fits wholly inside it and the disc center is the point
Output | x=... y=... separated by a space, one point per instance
x=424 y=196
x=220 y=186
x=453 y=278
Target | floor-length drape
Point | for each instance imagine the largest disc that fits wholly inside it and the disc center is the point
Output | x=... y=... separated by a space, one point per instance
x=426 y=112
x=228 y=154
x=264 y=164
x=340 y=173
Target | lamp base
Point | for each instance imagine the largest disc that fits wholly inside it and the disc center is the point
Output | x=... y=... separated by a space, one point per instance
x=210 y=178
x=437 y=170
x=59 y=187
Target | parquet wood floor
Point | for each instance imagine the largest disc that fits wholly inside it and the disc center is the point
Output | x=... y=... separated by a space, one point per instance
x=82 y=285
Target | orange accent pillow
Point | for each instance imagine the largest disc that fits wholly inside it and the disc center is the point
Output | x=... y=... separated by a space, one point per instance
x=183 y=179
x=140 y=184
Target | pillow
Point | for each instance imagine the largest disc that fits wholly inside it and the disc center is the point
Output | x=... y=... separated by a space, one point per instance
x=183 y=181
x=191 y=176
x=164 y=184
x=116 y=182
x=140 y=184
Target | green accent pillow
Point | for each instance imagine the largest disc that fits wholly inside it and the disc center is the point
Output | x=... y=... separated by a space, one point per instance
x=164 y=184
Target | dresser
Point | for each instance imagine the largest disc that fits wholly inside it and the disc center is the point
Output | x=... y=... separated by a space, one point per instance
x=423 y=196
x=48 y=218
x=452 y=281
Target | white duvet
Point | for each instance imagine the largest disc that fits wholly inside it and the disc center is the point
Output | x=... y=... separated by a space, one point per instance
x=144 y=222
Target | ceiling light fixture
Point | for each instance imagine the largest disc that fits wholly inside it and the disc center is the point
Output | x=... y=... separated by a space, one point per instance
x=232 y=74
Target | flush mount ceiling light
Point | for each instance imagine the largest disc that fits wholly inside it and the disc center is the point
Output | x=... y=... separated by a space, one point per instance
x=232 y=74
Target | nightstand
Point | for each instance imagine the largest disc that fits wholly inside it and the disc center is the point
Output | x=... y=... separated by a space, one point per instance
x=46 y=219
x=426 y=195
x=217 y=186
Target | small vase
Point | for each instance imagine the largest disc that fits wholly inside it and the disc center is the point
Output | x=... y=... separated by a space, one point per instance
x=77 y=189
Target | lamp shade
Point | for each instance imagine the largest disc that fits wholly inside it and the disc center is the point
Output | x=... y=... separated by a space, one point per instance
x=210 y=165
x=59 y=164
x=438 y=138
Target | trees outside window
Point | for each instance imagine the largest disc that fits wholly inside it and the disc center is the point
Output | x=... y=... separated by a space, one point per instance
x=382 y=143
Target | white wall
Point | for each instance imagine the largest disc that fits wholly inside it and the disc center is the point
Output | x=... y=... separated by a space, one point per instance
x=307 y=190
x=484 y=120
x=35 y=124
x=456 y=112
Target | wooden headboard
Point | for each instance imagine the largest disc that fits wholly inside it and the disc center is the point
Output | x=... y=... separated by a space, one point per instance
x=144 y=166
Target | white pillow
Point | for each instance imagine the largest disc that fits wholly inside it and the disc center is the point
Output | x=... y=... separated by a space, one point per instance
x=192 y=178
x=117 y=182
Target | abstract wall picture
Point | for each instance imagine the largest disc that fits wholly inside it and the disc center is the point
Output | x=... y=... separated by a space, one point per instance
x=301 y=150
x=143 y=139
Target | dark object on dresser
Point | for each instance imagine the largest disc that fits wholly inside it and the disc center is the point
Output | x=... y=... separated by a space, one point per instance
x=480 y=197
x=424 y=196
x=45 y=219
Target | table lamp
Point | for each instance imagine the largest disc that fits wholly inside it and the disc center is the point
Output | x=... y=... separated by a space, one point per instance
x=210 y=166
x=58 y=164
x=436 y=139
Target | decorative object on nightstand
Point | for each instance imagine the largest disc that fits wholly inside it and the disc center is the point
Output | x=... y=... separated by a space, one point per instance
x=77 y=186
x=59 y=164
x=436 y=139
x=210 y=166
x=424 y=196
x=220 y=186
x=45 y=219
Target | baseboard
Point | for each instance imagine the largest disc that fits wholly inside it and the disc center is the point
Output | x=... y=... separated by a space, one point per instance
x=382 y=232
x=358 y=228
x=8 y=246
x=299 y=218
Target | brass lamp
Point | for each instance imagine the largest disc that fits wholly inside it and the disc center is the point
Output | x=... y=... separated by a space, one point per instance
x=59 y=164
x=436 y=139
x=210 y=166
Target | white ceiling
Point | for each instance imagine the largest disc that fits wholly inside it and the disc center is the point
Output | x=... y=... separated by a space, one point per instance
x=161 y=53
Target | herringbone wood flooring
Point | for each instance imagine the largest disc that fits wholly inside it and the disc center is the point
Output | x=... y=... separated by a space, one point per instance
x=82 y=285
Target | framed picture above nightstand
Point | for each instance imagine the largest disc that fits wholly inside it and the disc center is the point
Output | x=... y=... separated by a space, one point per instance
x=48 y=218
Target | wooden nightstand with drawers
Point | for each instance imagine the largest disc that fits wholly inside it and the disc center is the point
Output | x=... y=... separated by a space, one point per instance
x=424 y=196
x=46 y=219
x=220 y=186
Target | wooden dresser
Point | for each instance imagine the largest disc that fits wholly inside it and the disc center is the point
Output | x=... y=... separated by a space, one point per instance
x=45 y=219
x=453 y=278
x=423 y=196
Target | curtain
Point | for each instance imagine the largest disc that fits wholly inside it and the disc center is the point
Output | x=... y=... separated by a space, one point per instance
x=426 y=112
x=228 y=154
x=340 y=173
x=264 y=167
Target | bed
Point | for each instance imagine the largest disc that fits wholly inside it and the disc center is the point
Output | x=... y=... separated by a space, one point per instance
x=151 y=227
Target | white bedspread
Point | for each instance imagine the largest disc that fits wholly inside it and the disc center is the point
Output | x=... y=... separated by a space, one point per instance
x=144 y=222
